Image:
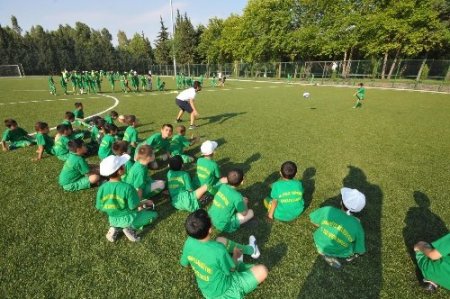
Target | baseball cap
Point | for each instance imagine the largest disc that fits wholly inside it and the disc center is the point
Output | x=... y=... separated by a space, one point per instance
x=353 y=200
x=208 y=147
x=110 y=164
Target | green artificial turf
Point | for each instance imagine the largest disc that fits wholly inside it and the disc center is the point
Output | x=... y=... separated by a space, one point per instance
x=395 y=149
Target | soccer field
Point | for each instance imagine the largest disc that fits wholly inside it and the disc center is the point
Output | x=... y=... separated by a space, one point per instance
x=395 y=149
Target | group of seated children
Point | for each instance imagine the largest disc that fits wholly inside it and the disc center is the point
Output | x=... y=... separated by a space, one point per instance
x=126 y=191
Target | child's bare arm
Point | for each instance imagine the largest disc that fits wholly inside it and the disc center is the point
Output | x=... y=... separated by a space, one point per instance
x=39 y=151
x=273 y=206
x=4 y=146
x=429 y=251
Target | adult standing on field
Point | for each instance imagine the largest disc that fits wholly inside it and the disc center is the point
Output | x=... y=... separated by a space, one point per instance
x=185 y=100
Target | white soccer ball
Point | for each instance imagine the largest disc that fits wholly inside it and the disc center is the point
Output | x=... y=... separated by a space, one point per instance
x=306 y=95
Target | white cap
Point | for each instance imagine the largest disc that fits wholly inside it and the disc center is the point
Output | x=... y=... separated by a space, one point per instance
x=110 y=164
x=353 y=200
x=208 y=147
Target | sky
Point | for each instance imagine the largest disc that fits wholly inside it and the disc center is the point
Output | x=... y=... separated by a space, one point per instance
x=132 y=16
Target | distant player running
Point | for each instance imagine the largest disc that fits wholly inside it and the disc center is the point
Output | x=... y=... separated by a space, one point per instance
x=360 y=94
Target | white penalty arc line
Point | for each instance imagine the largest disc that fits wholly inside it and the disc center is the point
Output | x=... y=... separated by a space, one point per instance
x=116 y=103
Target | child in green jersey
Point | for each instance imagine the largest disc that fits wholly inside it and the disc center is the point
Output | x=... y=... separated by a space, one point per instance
x=360 y=94
x=76 y=174
x=131 y=134
x=113 y=115
x=160 y=142
x=51 y=85
x=120 y=148
x=339 y=233
x=78 y=112
x=180 y=187
x=105 y=149
x=179 y=142
x=14 y=136
x=218 y=274
x=285 y=202
x=434 y=263
x=138 y=176
x=61 y=147
x=229 y=208
x=120 y=201
x=208 y=171
x=43 y=141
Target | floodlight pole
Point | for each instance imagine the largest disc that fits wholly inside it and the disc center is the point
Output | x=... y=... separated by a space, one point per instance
x=173 y=41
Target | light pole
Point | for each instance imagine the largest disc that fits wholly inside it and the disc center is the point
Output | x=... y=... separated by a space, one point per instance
x=173 y=41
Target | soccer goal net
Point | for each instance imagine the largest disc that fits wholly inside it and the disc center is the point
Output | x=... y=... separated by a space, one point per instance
x=12 y=70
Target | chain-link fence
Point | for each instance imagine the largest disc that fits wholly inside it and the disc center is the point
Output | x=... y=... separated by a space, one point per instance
x=424 y=74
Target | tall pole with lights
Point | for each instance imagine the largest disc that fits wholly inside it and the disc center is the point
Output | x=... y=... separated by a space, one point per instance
x=173 y=41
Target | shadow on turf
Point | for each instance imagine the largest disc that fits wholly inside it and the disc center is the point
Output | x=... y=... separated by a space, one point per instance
x=220 y=118
x=363 y=276
x=421 y=224
x=309 y=185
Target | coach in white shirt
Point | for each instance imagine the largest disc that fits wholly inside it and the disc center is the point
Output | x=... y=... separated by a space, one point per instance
x=185 y=100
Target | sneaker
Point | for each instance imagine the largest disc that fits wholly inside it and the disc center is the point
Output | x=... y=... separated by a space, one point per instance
x=112 y=234
x=351 y=258
x=192 y=127
x=429 y=286
x=252 y=242
x=178 y=120
x=241 y=259
x=131 y=235
x=333 y=262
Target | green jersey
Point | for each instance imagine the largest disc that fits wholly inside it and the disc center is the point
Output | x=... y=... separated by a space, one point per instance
x=289 y=196
x=158 y=143
x=361 y=92
x=79 y=113
x=128 y=167
x=178 y=181
x=178 y=144
x=119 y=201
x=212 y=266
x=105 y=148
x=207 y=172
x=109 y=120
x=74 y=169
x=131 y=135
x=227 y=202
x=339 y=234
x=438 y=271
x=61 y=147
x=95 y=134
x=138 y=176
x=17 y=134
x=45 y=141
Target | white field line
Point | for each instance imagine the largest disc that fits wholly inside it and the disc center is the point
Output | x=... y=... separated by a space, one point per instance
x=116 y=102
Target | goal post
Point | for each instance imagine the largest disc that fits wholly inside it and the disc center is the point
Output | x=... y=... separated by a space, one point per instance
x=12 y=70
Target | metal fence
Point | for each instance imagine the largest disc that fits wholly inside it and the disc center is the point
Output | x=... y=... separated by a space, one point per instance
x=404 y=73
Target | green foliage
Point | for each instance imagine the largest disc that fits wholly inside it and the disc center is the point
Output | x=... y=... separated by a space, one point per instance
x=162 y=46
x=424 y=73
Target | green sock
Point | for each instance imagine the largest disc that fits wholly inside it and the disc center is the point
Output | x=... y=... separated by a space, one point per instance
x=246 y=249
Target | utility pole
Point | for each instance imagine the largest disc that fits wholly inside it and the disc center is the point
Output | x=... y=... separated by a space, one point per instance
x=173 y=41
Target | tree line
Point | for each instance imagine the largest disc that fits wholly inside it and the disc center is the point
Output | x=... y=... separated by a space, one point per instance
x=266 y=31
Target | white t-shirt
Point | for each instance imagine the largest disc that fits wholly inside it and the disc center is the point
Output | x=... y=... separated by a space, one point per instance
x=187 y=94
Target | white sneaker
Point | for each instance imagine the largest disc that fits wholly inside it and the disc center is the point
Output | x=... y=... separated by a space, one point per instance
x=252 y=243
x=112 y=234
x=131 y=235
x=241 y=259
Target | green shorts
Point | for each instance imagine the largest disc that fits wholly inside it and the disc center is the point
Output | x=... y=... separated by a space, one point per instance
x=144 y=218
x=230 y=226
x=242 y=283
x=186 y=201
x=19 y=144
x=81 y=184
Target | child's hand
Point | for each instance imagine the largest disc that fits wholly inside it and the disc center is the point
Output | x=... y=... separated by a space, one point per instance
x=237 y=253
x=223 y=180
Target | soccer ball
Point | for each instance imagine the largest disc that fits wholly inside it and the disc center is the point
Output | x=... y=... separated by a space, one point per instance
x=306 y=95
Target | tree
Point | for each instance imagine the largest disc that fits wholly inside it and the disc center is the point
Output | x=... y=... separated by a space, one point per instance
x=210 y=42
x=185 y=40
x=15 y=25
x=162 y=45
x=141 y=53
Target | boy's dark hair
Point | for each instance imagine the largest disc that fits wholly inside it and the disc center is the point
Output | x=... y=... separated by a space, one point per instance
x=197 y=85
x=100 y=123
x=181 y=128
x=198 y=224
x=119 y=147
x=288 y=170
x=40 y=125
x=62 y=128
x=235 y=177
x=167 y=125
x=75 y=144
x=176 y=163
x=361 y=84
x=78 y=104
x=9 y=122
x=108 y=128
x=69 y=115
x=129 y=119
x=114 y=114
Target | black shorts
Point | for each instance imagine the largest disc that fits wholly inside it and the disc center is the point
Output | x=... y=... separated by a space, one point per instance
x=184 y=105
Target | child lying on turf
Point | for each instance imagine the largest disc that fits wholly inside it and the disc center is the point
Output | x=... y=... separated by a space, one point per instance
x=14 y=136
